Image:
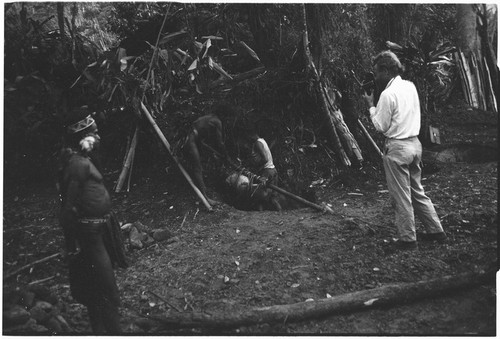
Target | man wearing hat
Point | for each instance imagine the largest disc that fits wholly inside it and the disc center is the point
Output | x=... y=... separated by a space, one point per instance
x=84 y=217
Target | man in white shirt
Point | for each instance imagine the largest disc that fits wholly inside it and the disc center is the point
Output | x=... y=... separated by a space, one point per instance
x=397 y=116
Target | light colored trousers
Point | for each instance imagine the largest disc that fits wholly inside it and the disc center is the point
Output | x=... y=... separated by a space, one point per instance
x=402 y=164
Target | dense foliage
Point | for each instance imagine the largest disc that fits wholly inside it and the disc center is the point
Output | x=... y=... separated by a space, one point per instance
x=60 y=55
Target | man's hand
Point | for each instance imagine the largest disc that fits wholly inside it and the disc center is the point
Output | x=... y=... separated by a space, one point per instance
x=369 y=99
x=263 y=181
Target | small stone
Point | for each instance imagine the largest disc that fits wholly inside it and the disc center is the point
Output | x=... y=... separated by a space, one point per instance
x=43 y=293
x=141 y=227
x=64 y=323
x=17 y=315
x=27 y=299
x=135 y=238
x=39 y=314
x=147 y=240
x=54 y=325
x=162 y=234
x=47 y=307
x=28 y=328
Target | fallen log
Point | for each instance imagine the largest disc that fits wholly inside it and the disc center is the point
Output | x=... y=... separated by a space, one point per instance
x=388 y=295
x=176 y=161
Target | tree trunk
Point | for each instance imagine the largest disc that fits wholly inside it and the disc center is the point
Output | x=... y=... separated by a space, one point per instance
x=260 y=33
x=467 y=33
x=392 y=294
x=315 y=33
x=60 y=18
x=332 y=117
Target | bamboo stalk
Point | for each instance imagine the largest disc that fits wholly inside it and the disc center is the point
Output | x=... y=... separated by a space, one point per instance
x=132 y=156
x=169 y=151
x=463 y=80
x=479 y=82
x=131 y=151
x=491 y=90
x=339 y=123
x=470 y=79
x=41 y=280
x=129 y=159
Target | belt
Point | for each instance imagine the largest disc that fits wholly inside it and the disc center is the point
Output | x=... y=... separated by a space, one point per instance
x=93 y=220
x=402 y=138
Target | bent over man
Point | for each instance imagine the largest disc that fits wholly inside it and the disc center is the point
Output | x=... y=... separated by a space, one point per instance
x=206 y=129
x=397 y=116
x=260 y=161
x=84 y=216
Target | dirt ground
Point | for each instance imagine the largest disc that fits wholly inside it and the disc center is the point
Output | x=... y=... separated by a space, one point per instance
x=232 y=259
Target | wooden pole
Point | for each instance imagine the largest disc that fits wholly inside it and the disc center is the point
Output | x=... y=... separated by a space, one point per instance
x=368 y=136
x=299 y=199
x=169 y=151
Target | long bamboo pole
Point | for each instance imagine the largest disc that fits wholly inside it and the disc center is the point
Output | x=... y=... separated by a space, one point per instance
x=169 y=151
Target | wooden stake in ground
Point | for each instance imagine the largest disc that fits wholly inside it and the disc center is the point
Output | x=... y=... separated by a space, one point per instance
x=388 y=295
x=176 y=161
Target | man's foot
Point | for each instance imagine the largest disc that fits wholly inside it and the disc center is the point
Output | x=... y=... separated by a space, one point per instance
x=440 y=237
x=401 y=246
